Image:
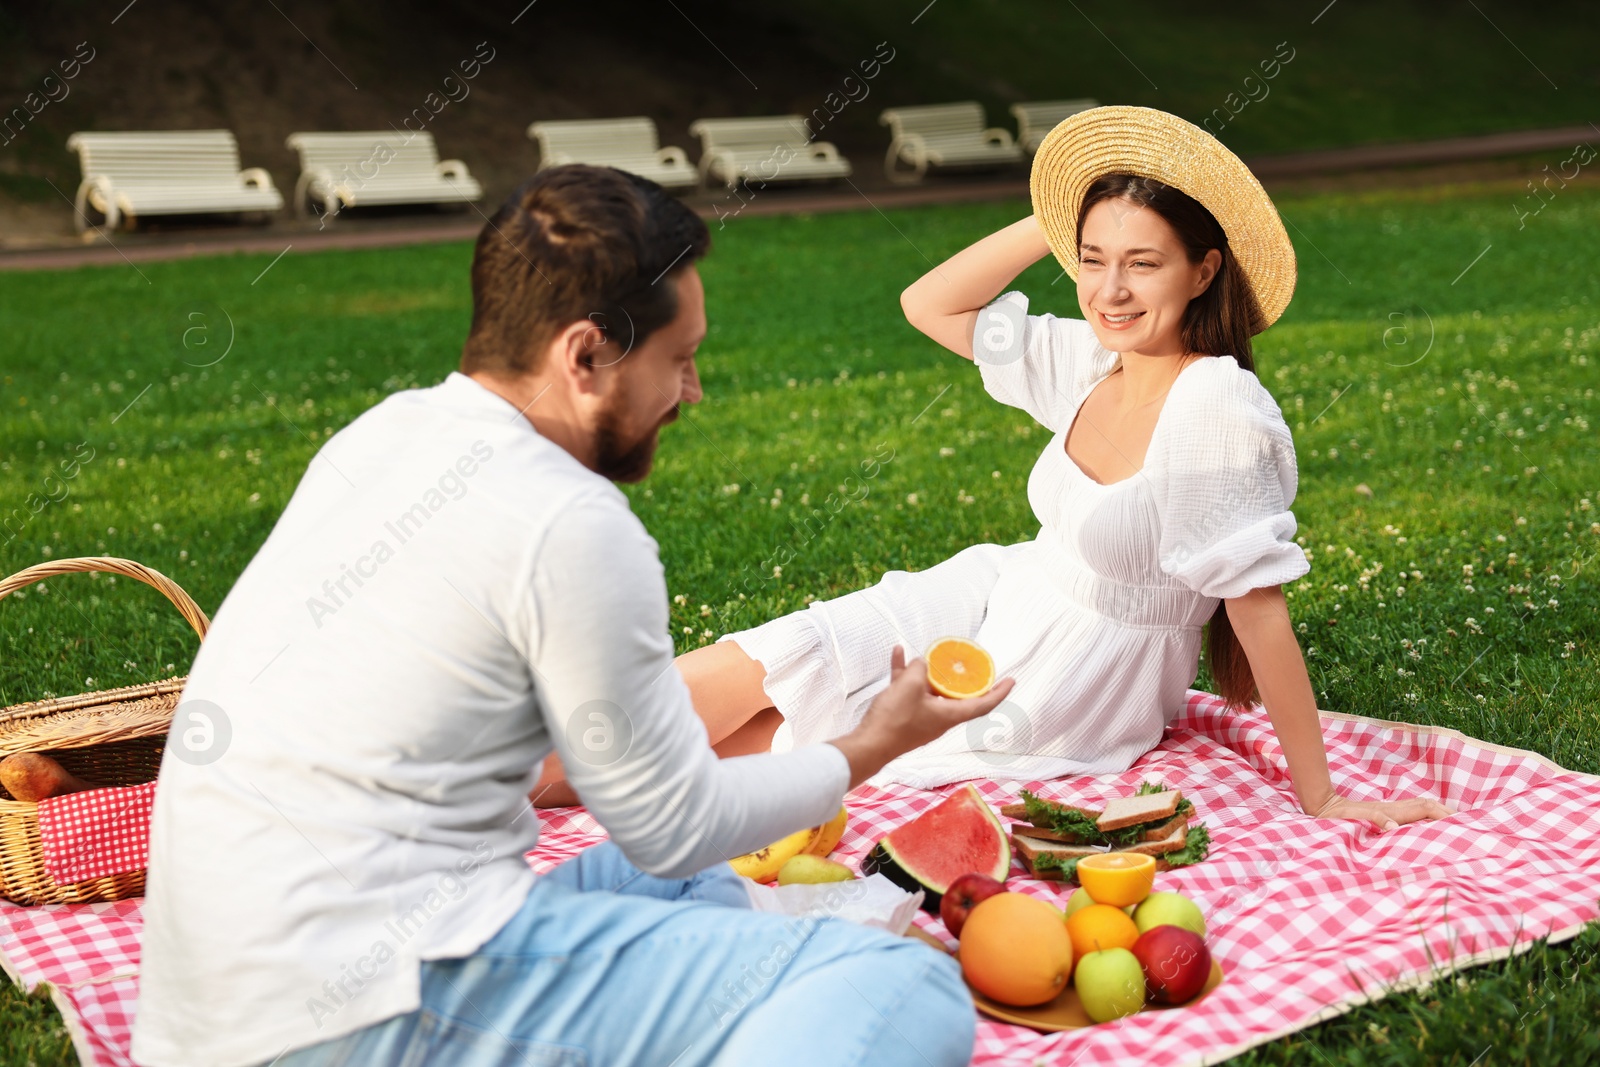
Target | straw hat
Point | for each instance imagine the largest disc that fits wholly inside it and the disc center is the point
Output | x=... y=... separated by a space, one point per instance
x=1154 y=144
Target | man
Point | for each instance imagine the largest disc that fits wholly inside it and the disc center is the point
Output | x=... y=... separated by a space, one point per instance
x=455 y=591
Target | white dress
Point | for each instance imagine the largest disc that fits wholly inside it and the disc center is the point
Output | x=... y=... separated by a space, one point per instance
x=1098 y=618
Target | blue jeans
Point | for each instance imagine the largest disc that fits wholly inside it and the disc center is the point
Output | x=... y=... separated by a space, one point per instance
x=606 y=966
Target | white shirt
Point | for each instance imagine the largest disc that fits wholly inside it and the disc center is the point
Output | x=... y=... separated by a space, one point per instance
x=1099 y=617
x=447 y=597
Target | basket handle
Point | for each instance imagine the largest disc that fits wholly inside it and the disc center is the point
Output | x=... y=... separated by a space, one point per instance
x=112 y=565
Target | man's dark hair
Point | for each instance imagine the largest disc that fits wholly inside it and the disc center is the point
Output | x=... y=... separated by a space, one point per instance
x=576 y=242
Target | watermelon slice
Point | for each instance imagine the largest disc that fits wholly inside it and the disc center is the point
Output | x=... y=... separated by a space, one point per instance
x=959 y=835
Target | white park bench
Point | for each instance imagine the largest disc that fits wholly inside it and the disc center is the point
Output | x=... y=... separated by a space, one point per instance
x=166 y=172
x=943 y=135
x=629 y=144
x=1038 y=118
x=762 y=150
x=376 y=167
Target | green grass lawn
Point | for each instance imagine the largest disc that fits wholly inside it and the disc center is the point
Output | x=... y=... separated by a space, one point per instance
x=1441 y=402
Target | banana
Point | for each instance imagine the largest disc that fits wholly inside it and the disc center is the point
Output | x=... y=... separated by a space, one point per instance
x=829 y=834
x=763 y=864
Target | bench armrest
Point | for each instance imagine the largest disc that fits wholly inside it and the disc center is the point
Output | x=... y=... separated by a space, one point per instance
x=999 y=136
x=673 y=156
x=91 y=189
x=257 y=177
x=908 y=148
x=453 y=170
x=317 y=183
x=708 y=160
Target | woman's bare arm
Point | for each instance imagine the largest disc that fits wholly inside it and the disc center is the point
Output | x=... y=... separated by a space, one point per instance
x=1260 y=618
x=944 y=303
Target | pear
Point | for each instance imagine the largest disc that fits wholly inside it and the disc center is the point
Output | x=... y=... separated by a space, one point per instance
x=812 y=870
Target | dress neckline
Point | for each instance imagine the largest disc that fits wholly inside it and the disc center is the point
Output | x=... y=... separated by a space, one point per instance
x=1154 y=432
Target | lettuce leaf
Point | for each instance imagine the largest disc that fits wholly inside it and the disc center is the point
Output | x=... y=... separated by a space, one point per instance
x=1062 y=820
x=1197 y=846
x=1067 y=865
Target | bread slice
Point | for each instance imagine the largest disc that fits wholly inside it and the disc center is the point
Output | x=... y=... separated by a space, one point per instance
x=1175 y=840
x=1026 y=848
x=1044 y=833
x=1147 y=807
x=1157 y=833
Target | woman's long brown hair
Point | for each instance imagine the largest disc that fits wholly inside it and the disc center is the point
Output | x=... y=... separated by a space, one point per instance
x=1220 y=321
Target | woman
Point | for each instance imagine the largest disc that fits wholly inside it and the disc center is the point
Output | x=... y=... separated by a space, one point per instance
x=1162 y=495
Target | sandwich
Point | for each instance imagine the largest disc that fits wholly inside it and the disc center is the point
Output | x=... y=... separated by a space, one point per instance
x=1154 y=821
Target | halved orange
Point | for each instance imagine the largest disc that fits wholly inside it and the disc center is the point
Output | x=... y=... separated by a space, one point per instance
x=1117 y=878
x=959 y=668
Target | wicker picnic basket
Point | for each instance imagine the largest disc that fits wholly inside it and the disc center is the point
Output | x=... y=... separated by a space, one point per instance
x=114 y=737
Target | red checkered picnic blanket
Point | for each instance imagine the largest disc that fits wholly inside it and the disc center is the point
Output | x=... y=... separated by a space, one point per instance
x=96 y=834
x=1308 y=917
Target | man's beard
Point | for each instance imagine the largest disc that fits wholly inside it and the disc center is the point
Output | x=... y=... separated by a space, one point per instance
x=618 y=459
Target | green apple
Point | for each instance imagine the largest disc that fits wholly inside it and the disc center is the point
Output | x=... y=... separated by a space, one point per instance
x=1169 y=909
x=1081 y=899
x=1110 y=984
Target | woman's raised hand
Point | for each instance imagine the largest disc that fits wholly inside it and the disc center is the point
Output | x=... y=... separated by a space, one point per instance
x=1384 y=814
x=944 y=303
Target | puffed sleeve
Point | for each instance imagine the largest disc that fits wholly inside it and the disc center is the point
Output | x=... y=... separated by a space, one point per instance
x=1032 y=362
x=1228 y=478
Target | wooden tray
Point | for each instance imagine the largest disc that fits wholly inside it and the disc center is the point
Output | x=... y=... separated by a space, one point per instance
x=1065 y=1012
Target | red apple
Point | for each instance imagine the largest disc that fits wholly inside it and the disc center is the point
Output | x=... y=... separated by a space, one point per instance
x=964 y=893
x=1176 y=963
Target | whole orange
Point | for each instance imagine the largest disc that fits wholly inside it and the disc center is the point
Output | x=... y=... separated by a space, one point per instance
x=1016 y=950
x=1099 y=927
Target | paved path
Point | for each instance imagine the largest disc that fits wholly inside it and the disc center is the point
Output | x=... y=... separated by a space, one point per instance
x=723 y=207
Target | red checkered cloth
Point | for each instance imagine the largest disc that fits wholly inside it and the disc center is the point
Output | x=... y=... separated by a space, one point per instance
x=1308 y=917
x=97 y=833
